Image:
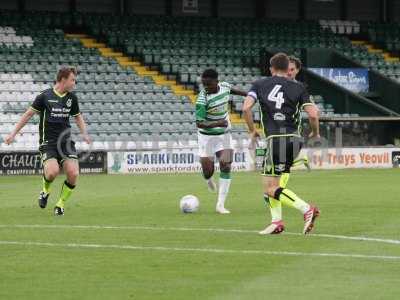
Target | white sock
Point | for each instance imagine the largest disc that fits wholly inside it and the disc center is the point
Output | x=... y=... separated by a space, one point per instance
x=223 y=191
x=303 y=207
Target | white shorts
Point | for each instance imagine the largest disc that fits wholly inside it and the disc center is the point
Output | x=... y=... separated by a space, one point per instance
x=210 y=144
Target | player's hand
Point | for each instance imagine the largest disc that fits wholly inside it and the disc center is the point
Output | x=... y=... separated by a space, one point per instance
x=224 y=123
x=9 y=139
x=313 y=135
x=254 y=137
x=87 y=139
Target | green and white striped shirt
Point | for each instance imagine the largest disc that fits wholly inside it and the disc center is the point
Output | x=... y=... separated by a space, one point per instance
x=214 y=107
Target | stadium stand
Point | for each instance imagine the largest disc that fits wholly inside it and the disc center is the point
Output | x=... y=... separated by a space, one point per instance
x=341 y=26
x=119 y=105
x=129 y=100
x=386 y=35
x=231 y=46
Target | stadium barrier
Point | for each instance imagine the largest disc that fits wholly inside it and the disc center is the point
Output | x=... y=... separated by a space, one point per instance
x=30 y=163
x=348 y=132
x=186 y=160
x=351 y=158
x=177 y=160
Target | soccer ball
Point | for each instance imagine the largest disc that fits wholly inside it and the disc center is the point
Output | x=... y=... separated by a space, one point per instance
x=189 y=204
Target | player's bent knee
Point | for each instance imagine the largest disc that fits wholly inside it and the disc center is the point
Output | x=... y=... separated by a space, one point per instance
x=226 y=157
x=51 y=173
x=73 y=174
x=50 y=176
x=271 y=190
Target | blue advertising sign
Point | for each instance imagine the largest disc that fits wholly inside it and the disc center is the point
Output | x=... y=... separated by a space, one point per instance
x=353 y=79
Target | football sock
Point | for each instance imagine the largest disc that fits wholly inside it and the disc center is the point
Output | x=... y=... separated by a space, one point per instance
x=46 y=185
x=283 y=181
x=300 y=161
x=275 y=207
x=224 y=184
x=66 y=192
x=289 y=198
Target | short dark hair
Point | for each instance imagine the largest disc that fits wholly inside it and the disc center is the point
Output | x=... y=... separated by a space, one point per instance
x=64 y=72
x=296 y=61
x=279 y=62
x=210 y=73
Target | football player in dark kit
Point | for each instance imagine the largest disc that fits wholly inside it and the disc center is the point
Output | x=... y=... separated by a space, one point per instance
x=281 y=100
x=55 y=107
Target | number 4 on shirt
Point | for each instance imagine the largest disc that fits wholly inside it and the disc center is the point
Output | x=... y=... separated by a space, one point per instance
x=276 y=96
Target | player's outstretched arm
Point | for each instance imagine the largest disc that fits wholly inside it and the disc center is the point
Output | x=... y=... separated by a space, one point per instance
x=248 y=116
x=211 y=124
x=21 y=123
x=82 y=127
x=238 y=92
x=313 y=117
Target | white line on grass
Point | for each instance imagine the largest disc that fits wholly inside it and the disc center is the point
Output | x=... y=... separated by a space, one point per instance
x=139 y=227
x=204 y=250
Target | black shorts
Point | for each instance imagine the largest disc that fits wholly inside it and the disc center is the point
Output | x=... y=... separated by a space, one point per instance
x=60 y=152
x=280 y=154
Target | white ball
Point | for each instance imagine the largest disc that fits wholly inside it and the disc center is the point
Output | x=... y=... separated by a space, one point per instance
x=189 y=204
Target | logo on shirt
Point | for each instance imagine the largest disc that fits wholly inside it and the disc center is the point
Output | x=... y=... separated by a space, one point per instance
x=219 y=109
x=69 y=102
x=279 y=117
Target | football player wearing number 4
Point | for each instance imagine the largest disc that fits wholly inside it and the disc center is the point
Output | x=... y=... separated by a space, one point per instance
x=281 y=100
x=294 y=69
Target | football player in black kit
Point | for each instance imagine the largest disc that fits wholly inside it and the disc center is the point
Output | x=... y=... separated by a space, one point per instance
x=55 y=107
x=281 y=100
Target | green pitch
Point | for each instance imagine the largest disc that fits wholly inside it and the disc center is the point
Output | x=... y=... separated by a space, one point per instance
x=123 y=237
